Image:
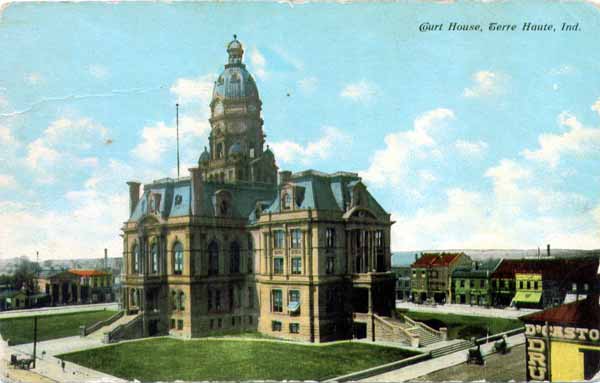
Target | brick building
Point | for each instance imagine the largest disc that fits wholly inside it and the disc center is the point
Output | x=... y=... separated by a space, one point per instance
x=431 y=278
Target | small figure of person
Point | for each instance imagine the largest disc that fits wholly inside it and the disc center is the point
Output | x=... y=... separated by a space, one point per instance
x=62 y=364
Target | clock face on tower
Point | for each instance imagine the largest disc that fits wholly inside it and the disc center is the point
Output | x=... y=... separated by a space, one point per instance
x=218 y=108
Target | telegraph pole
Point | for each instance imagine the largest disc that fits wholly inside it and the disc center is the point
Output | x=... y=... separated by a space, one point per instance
x=35 y=322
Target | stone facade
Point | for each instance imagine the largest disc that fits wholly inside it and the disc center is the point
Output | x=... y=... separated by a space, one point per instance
x=236 y=246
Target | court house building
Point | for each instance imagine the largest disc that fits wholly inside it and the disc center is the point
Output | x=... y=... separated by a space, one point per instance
x=240 y=246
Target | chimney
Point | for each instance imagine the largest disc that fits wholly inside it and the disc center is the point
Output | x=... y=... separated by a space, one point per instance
x=105 y=259
x=548 y=249
x=284 y=176
x=416 y=257
x=134 y=195
x=197 y=190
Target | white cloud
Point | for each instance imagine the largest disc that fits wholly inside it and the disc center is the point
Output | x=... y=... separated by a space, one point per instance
x=3 y=102
x=64 y=138
x=308 y=84
x=158 y=138
x=39 y=152
x=471 y=148
x=34 y=78
x=7 y=181
x=65 y=233
x=289 y=151
x=391 y=164
x=362 y=91
x=517 y=214
x=259 y=63
x=98 y=71
x=486 y=83
x=6 y=137
x=194 y=90
x=596 y=106
x=578 y=139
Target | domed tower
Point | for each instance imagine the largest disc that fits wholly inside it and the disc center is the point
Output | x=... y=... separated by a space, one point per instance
x=236 y=139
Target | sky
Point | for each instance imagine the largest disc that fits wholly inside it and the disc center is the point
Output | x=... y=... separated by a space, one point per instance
x=469 y=139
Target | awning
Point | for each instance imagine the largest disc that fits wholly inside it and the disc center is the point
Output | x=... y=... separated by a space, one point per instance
x=527 y=297
x=293 y=306
x=574 y=297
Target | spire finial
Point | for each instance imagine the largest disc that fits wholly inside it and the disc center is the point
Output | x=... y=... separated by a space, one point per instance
x=234 y=36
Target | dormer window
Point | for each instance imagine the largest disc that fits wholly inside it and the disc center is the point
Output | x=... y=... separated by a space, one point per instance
x=155 y=203
x=223 y=203
x=286 y=200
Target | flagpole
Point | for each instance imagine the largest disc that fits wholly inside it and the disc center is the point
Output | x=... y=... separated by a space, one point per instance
x=177 y=119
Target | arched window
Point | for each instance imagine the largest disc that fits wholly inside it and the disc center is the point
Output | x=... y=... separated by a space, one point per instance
x=234 y=258
x=213 y=258
x=178 y=258
x=181 y=301
x=136 y=258
x=154 y=254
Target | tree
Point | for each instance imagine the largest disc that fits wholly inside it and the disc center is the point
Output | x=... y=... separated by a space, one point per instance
x=25 y=274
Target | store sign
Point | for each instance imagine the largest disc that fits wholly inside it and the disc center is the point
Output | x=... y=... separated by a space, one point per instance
x=590 y=335
x=538 y=337
x=537 y=359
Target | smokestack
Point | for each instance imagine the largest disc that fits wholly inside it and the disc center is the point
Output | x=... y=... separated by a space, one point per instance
x=134 y=195
x=197 y=190
x=548 y=250
x=105 y=259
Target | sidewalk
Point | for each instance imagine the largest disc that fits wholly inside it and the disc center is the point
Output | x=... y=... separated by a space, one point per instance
x=508 y=313
x=58 y=310
x=49 y=367
x=427 y=367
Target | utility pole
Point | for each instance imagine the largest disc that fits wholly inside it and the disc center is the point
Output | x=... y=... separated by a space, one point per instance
x=35 y=322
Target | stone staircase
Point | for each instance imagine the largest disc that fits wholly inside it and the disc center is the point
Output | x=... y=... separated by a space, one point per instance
x=99 y=333
x=426 y=338
x=409 y=329
x=459 y=345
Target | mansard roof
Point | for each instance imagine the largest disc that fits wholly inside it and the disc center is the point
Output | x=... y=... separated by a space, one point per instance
x=323 y=191
x=176 y=197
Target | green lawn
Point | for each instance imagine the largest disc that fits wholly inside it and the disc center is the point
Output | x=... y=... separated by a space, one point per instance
x=465 y=326
x=20 y=330
x=167 y=359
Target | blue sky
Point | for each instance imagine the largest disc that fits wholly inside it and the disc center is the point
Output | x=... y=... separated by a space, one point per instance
x=470 y=139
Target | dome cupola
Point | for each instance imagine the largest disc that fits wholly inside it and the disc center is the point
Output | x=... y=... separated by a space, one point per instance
x=235 y=50
x=235 y=83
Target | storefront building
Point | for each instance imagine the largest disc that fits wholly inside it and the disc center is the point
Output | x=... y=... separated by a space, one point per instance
x=563 y=343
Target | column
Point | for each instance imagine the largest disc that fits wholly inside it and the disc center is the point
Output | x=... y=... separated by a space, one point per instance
x=79 y=291
x=60 y=292
x=51 y=292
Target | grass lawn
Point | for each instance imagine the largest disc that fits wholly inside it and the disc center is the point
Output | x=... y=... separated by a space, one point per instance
x=167 y=359
x=20 y=330
x=465 y=326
